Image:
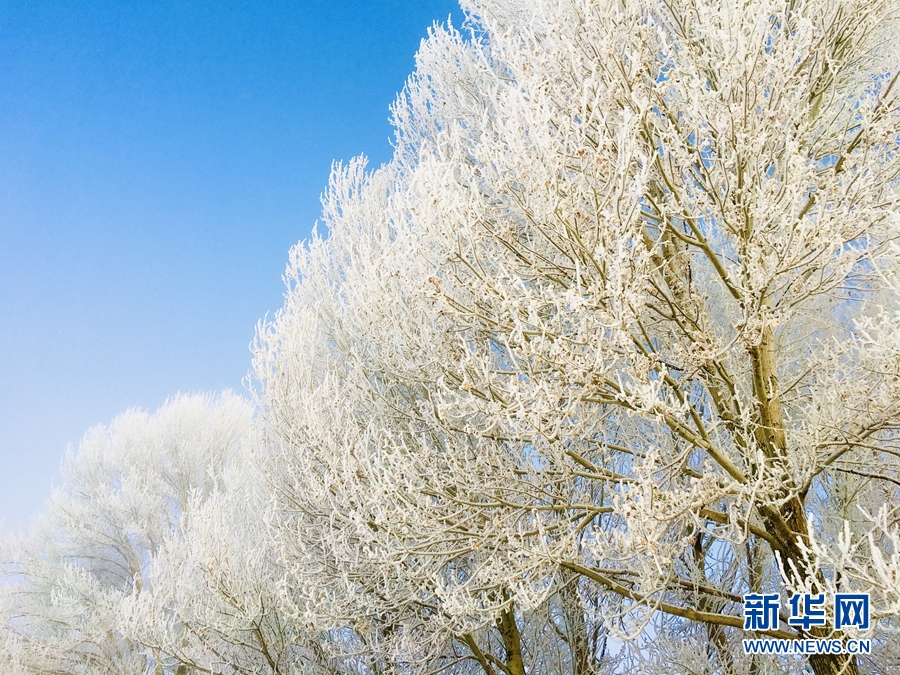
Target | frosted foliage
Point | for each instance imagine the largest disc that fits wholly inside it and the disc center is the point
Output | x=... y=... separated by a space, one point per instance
x=125 y=495
x=623 y=310
x=214 y=596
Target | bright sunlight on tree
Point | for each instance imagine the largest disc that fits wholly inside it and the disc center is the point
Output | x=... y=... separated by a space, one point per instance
x=600 y=374
x=618 y=323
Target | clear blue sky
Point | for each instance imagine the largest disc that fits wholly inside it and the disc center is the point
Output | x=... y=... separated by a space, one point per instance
x=157 y=161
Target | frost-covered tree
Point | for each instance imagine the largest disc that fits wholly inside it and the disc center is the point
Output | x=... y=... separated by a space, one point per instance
x=357 y=566
x=621 y=309
x=214 y=598
x=125 y=494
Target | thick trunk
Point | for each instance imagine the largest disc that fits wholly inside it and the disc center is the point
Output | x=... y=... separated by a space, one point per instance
x=512 y=642
x=788 y=524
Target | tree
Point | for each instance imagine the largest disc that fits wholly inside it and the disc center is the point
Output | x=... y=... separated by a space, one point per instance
x=619 y=308
x=214 y=600
x=359 y=545
x=125 y=494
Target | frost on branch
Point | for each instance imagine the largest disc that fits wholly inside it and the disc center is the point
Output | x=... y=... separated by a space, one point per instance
x=609 y=315
x=125 y=492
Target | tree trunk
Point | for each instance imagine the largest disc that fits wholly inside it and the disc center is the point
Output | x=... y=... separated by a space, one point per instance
x=787 y=524
x=512 y=642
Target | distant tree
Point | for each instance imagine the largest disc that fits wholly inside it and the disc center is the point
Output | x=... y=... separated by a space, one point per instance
x=214 y=598
x=623 y=310
x=126 y=494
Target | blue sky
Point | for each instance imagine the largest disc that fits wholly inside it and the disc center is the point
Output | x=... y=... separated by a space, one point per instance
x=157 y=161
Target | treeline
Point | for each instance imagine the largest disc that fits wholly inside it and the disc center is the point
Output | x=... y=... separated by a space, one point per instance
x=610 y=343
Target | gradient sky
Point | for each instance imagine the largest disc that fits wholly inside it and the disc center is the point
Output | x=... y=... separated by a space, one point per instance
x=157 y=161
